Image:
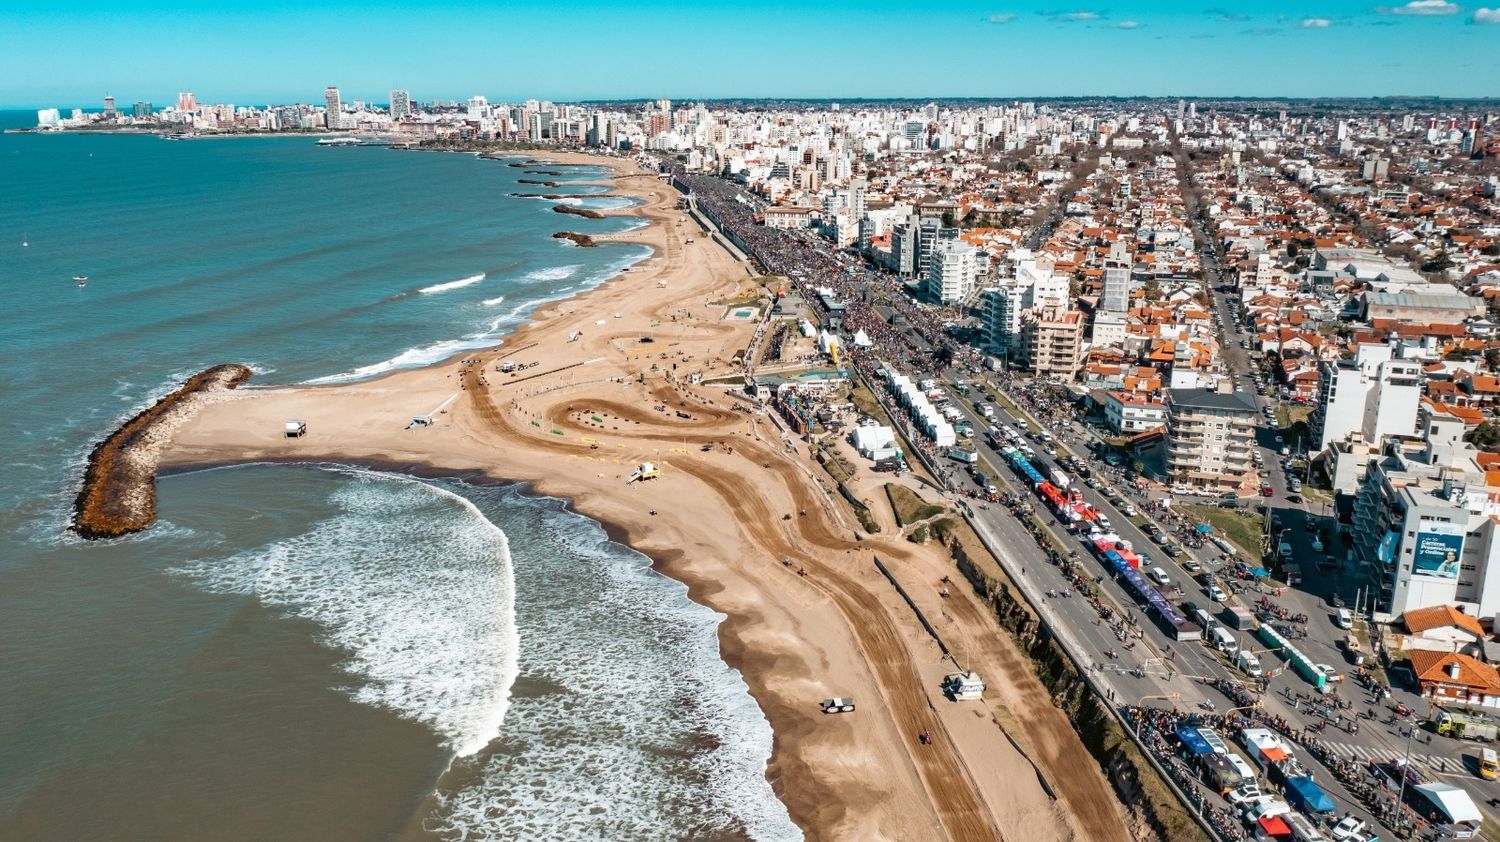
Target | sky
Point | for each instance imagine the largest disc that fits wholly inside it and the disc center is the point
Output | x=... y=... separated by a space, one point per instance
x=74 y=52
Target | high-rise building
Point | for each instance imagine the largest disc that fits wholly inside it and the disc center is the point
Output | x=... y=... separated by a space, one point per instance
x=1052 y=342
x=1210 y=434
x=951 y=270
x=1000 y=317
x=109 y=107
x=333 y=115
x=1427 y=525
x=858 y=188
x=143 y=110
x=186 y=101
x=400 y=104
x=1372 y=394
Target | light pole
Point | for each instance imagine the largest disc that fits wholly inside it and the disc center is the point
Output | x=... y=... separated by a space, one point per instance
x=1411 y=731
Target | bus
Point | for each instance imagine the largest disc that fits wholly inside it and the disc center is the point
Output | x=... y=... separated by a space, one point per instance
x=1489 y=764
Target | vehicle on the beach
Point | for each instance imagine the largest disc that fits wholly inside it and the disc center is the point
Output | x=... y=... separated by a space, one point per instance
x=843 y=705
x=963 y=686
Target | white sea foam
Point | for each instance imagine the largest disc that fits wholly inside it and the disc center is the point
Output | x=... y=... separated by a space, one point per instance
x=444 y=287
x=490 y=302
x=410 y=358
x=631 y=726
x=415 y=584
x=486 y=337
x=552 y=273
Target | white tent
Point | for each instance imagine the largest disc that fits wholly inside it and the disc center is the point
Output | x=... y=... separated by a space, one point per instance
x=862 y=339
x=1454 y=802
x=870 y=441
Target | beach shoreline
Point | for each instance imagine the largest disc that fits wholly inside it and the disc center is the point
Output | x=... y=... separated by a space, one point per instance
x=710 y=520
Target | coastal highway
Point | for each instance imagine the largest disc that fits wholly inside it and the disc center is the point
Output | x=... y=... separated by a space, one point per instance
x=1165 y=679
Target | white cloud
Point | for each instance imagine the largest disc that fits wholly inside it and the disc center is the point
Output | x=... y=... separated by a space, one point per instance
x=1128 y=24
x=1003 y=17
x=1074 y=17
x=1422 y=7
x=1315 y=23
x=1487 y=16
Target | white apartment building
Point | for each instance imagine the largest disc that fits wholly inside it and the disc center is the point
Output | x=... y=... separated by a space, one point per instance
x=1128 y=412
x=1427 y=526
x=951 y=270
x=1374 y=394
x=1000 y=317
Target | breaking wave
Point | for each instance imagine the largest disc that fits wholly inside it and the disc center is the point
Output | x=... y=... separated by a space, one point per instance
x=414 y=584
x=444 y=287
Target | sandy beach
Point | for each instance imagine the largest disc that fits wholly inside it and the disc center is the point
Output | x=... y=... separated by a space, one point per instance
x=742 y=515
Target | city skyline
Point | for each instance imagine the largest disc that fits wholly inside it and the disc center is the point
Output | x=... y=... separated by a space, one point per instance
x=600 y=51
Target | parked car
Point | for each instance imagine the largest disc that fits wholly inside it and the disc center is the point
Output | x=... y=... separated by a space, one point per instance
x=1317 y=544
x=1267 y=491
x=1216 y=593
x=1192 y=566
x=1244 y=794
x=1349 y=829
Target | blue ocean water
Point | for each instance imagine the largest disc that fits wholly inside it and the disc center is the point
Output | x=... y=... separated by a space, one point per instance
x=315 y=651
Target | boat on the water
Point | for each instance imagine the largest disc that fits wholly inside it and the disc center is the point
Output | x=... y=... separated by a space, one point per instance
x=81 y=280
x=339 y=141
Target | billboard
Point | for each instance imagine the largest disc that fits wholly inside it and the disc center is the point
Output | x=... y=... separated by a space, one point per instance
x=1437 y=550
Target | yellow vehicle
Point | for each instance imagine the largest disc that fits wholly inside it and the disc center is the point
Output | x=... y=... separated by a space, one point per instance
x=1489 y=764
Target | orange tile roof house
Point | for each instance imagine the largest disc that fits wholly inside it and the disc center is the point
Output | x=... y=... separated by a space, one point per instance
x=1442 y=628
x=1454 y=677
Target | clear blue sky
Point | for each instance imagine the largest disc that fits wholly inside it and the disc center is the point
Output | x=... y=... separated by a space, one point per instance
x=72 y=52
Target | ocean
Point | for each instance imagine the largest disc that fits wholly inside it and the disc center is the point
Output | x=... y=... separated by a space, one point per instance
x=322 y=651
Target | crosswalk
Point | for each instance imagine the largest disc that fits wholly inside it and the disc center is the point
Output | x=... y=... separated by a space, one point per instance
x=1382 y=754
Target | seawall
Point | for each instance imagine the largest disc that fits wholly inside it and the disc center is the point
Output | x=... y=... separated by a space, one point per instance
x=119 y=484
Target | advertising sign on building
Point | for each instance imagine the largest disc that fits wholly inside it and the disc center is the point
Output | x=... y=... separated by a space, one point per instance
x=1437 y=551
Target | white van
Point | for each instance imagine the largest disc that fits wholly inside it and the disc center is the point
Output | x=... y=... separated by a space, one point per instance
x=1344 y=619
x=1160 y=577
x=1224 y=641
x=1249 y=664
x=1205 y=619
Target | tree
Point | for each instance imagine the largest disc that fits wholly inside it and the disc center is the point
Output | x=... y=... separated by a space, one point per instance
x=1492 y=359
x=1486 y=436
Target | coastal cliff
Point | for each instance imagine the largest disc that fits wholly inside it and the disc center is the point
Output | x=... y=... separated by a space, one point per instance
x=583 y=212
x=119 y=485
x=581 y=240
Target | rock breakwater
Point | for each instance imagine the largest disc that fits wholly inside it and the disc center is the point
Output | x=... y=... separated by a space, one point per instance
x=580 y=240
x=119 y=485
x=583 y=212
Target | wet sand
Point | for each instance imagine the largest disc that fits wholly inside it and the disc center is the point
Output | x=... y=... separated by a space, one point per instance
x=734 y=499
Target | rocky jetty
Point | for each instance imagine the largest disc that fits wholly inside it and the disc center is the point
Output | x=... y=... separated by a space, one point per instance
x=581 y=240
x=552 y=196
x=536 y=181
x=583 y=212
x=119 y=485
x=545 y=172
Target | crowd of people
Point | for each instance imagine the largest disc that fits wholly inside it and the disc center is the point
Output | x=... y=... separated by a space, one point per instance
x=914 y=338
